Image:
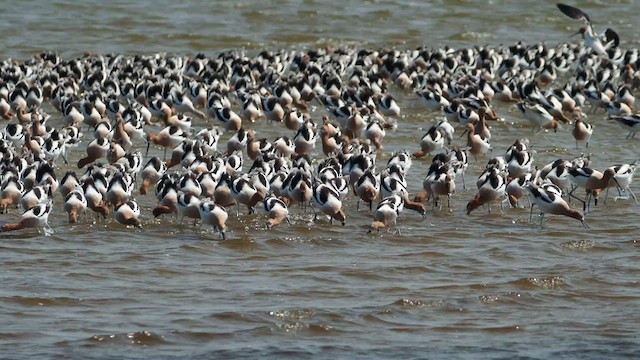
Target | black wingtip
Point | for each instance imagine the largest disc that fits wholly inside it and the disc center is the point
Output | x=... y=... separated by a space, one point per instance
x=573 y=12
x=612 y=36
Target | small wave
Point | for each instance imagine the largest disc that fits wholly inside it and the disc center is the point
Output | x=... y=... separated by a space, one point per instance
x=492 y=298
x=421 y=303
x=42 y=301
x=470 y=35
x=244 y=244
x=502 y=329
x=202 y=336
x=549 y=282
x=578 y=244
x=278 y=243
x=142 y=337
x=297 y=315
x=307 y=329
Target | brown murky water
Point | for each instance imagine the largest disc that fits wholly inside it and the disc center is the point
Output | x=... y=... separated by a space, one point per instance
x=449 y=286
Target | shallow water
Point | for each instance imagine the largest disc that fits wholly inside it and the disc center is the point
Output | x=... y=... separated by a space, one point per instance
x=449 y=286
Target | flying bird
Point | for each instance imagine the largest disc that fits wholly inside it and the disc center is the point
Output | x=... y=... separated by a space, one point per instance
x=591 y=39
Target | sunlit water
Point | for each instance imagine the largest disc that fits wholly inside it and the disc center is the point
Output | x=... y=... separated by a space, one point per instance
x=448 y=286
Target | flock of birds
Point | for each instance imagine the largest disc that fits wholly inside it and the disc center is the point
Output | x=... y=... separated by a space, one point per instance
x=113 y=102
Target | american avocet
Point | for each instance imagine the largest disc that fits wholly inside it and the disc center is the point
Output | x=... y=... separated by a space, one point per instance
x=592 y=181
x=130 y=163
x=214 y=215
x=103 y=129
x=128 y=213
x=273 y=110
x=229 y=119
x=375 y=132
x=630 y=123
x=582 y=132
x=15 y=133
x=96 y=149
x=45 y=175
x=114 y=107
x=151 y=173
x=182 y=103
x=74 y=203
x=328 y=201
x=167 y=195
x=538 y=116
x=36 y=217
x=115 y=152
x=208 y=182
x=37 y=195
x=169 y=137
x=91 y=115
x=388 y=106
x=437 y=166
x=504 y=92
x=591 y=39
x=12 y=191
x=305 y=138
x=276 y=210
x=493 y=188
x=515 y=188
x=234 y=163
x=298 y=187
x=432 y=141
x=284 y=147
x=134 y=122
x=5 y=109
x=481 y=127
x=94 y=197
x=617 y=108
x=340 y=185
x=331 y=138
x=393 y=182
x=554 y=106
x=184 y=154
x=468 y=116
x=477 y=144
x=293 y=119
x=160 y=109
x=119 y=189
x=557 y=172
x=120 y=134
x=257 y=147
x=188 y=184
x=458 y=159
x=446 y=129
x=34 y=144
x=623 y=177
x=443 y=184
x=244 y=192
x=625 y=96
x=552 y=203
x=367 y=187
x=188 y=205
x=209 y=139
x=355 y=125
x=402 y=158
x=452 y=112
x=181 y=121
x=433 y=100
x=276 y=183
x=18 y=96
x=519 y=163
x=54 y=147
x=387 y=213
x=251 y=109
